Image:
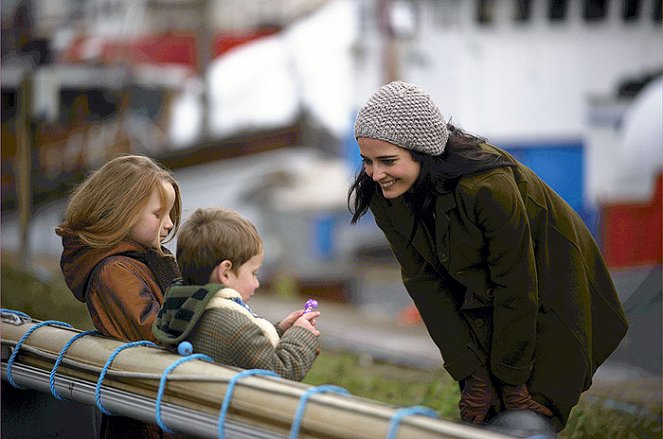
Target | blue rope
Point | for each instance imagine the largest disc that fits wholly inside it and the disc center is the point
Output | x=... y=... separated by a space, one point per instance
x=231 y=388
x=59 y=360
x=25 y=336
x=299 y=414
x=407 y=411
x=18 y=313
x=104 y=371
x=162 y=385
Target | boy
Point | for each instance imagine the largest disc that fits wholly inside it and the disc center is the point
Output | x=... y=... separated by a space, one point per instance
x=219 y=254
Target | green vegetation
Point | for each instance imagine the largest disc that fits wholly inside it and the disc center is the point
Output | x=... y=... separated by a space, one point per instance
x=607 y=412
x=597 y=416
x=387 y=383
x=41 y=299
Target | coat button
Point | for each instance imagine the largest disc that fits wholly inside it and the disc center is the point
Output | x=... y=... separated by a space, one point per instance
x=490 y=293
x=478 y=323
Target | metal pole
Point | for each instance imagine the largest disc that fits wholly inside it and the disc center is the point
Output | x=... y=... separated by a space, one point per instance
x=264 y=405
x=119 y=402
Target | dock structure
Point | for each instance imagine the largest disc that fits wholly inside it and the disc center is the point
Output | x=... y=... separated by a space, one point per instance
x=193 y=396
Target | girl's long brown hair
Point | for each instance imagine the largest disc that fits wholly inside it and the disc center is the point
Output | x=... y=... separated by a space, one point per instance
x=103 y=209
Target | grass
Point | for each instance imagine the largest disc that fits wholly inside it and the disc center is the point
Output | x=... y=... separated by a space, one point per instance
x=602 y=413
x=598 y=415
x=387 y=383
x=47 y=299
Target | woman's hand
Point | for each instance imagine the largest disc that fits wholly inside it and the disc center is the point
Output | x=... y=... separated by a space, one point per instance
x=286 y=323
x=518 y=398
x=477 y=396
x=307 y=320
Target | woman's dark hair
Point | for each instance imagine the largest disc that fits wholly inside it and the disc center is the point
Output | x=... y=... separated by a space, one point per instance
x=462 y=156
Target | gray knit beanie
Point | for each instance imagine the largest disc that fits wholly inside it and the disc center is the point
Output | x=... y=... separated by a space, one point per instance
x=403 y=114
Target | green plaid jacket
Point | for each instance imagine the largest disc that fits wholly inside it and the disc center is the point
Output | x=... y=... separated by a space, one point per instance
x=230 y=337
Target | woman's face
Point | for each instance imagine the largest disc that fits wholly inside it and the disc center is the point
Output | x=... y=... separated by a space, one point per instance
x=390 y=166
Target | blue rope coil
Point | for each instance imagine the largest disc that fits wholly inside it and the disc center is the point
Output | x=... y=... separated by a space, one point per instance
x=303 y=400
x=64 y=349
x=407 y=411
x=104 y=371
x=17 y=348
x=18 y=313
x=229 y=393
x=162 y=385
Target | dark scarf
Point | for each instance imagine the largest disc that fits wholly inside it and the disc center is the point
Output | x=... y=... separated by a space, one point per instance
x=163 y=265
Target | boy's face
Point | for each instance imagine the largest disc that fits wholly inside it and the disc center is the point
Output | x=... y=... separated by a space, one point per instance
x=244 y=279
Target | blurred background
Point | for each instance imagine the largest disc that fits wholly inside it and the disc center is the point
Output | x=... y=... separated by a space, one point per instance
x=251 y=104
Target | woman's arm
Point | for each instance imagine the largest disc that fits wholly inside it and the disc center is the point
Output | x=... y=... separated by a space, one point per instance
x=433 y=294
x=495 y=205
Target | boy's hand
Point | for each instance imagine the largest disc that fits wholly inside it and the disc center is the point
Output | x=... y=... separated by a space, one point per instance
x=307 y=321
x=286 y=323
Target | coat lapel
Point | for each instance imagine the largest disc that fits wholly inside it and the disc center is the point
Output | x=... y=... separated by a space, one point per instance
x=403 y=219
x=443 y=204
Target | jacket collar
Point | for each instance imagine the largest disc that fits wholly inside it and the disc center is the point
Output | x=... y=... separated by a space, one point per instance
x=403 y=218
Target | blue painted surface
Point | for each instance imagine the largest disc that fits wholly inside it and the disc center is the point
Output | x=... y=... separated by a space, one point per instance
x=323 y=227
x=561 y=165
x=561 y=168
x=351 y=149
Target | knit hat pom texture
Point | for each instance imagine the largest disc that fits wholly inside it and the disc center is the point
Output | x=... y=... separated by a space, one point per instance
x=403 y=114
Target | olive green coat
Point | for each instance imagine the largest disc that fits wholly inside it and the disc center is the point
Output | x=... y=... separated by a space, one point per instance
x=510 y=278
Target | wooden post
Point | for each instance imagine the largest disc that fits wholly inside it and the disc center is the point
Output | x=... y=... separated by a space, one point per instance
x=23 y=168
x=203 y=57
x=389 y=48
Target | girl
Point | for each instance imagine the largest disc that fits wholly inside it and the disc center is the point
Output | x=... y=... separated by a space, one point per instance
x=112 y=257
x=505 y=275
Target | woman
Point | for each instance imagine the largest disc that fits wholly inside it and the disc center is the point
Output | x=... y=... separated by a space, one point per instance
x=507 y=278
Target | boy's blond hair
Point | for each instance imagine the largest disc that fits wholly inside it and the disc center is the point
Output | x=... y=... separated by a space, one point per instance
x=103 y=209
x=211 y=236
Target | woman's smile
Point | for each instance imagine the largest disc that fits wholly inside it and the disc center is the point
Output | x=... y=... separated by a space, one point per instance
x=389 y=165
x=387 y=184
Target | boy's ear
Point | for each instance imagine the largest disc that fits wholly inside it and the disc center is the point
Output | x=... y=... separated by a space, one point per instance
x=221 y=271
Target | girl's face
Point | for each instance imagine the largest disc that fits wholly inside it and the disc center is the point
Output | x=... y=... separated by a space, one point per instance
x=390 y=166
x=152 y=228
x=244 y=279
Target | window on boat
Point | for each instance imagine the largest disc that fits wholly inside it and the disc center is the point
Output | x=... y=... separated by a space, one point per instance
x=594 y=10
x=522 y=10
x=485 y=12
x=658 y=11
x=631 y=10
x=557 y=10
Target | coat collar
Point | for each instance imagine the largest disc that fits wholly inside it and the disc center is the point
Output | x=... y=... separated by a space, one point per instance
x=403 y=218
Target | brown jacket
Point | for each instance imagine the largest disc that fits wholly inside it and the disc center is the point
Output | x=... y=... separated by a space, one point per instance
x=509 y=278
x=123 y=297
x=121 y=292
